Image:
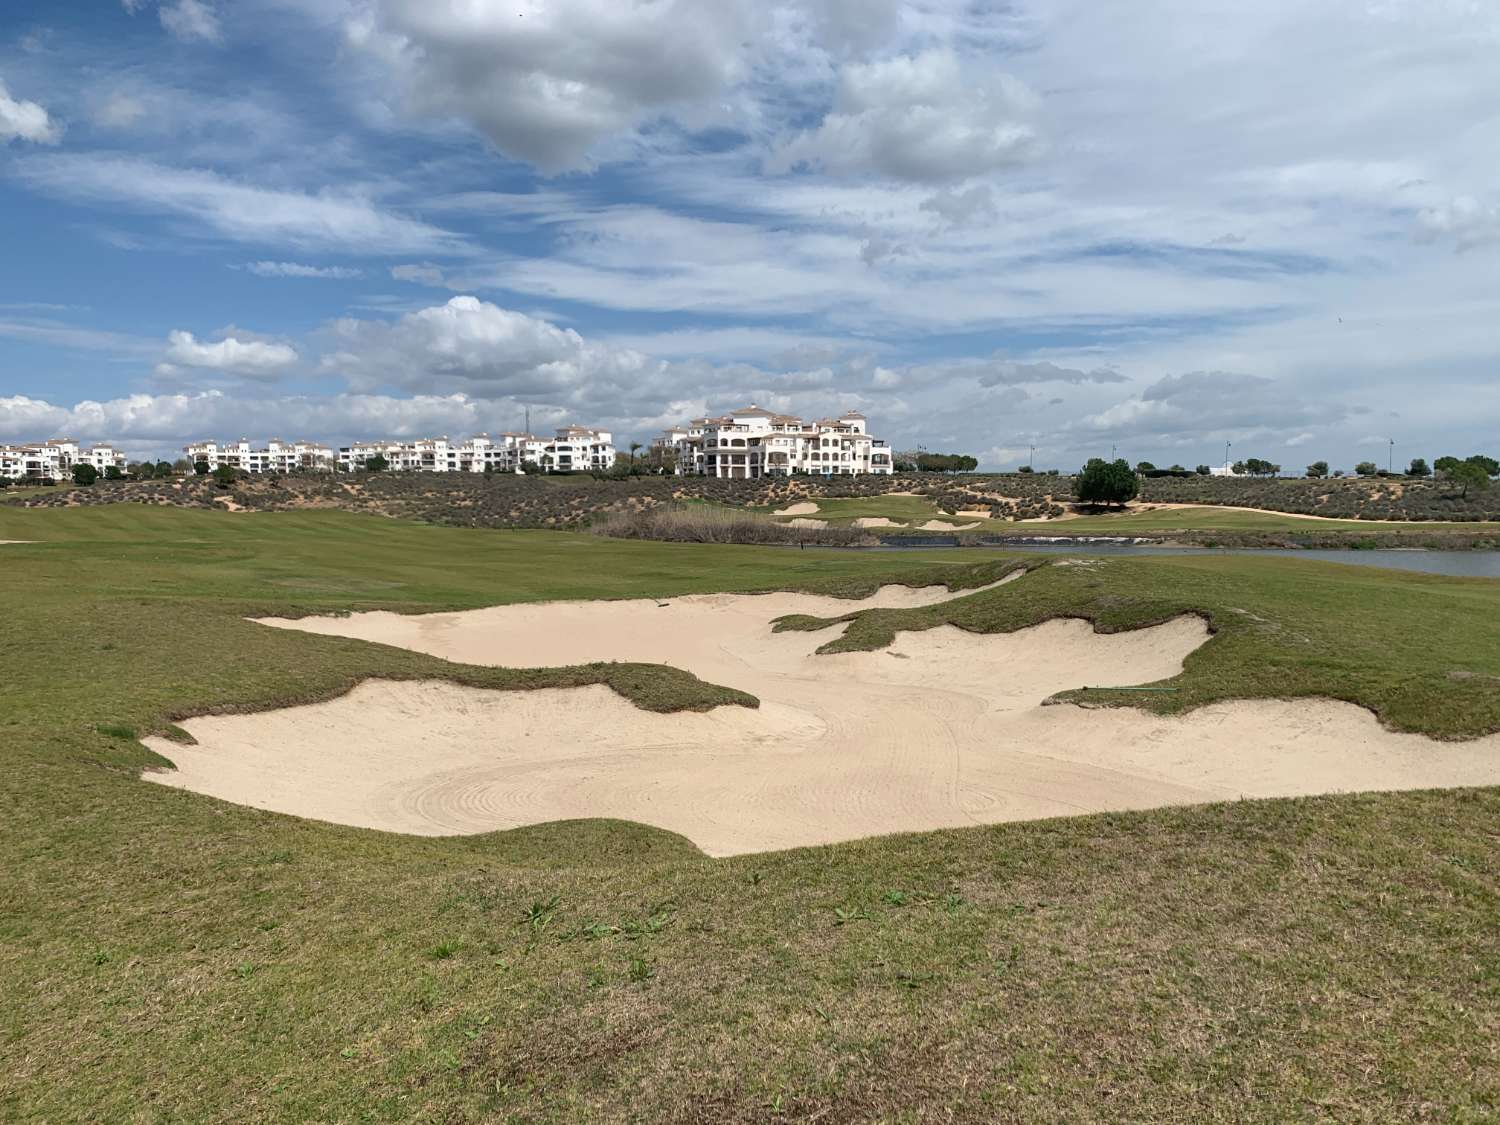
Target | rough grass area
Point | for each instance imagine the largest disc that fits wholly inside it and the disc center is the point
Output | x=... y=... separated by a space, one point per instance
x=168 y=957
x=703 y=523
x=1423 y=653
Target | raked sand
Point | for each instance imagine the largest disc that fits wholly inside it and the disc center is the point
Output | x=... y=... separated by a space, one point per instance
x=943 y=729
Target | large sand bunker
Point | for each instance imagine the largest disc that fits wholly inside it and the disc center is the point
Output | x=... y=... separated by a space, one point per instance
x=942 y=729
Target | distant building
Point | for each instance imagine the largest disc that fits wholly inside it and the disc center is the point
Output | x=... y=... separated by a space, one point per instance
x=53 y=459
x=573 y=449
x=276 y=456
x=753 y=443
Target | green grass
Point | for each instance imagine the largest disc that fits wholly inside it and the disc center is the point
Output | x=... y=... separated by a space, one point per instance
x=1422 y=652
x=164 y=956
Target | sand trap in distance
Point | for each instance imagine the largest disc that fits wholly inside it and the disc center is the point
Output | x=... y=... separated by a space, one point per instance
x=943 y=729
x=803 y=508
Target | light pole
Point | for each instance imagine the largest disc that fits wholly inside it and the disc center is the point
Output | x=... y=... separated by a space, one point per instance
x=1031 y=461
x=1227 y=446
x=1390 y=457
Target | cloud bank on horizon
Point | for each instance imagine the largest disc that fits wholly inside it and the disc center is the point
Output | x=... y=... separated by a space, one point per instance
x=1158 y=227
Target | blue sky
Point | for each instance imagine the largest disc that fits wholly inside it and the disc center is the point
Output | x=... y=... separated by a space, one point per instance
x=1157 y=227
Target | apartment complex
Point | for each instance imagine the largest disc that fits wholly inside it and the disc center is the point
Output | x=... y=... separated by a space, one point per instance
x=53 y=460
x=276 y=456
x=753 y=443
x=572 y=449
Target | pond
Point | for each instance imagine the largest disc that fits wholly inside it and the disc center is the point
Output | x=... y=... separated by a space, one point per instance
x=1460 y=564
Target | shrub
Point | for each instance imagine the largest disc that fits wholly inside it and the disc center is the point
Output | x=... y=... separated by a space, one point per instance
x=1318 y=469
x=224 y=475
x=85 y=475
x=679 y=524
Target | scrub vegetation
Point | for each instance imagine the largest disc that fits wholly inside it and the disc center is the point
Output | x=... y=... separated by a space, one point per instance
x=165 y=956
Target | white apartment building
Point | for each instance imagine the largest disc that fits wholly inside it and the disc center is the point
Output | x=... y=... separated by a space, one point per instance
x=753 y=443
x=573 y=449
x=276 y=456
x=53 y=460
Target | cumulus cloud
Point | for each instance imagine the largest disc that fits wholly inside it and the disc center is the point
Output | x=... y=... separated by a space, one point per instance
x=929 y=117
x=481 y=349
x=297 y=269
x=230 y=355
x=545 y=80
x=26 y=121
x=242 y=212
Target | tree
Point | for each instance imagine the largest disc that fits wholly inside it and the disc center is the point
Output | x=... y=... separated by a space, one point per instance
x=1366 y=468
x=1445 y=465
x=1025 y=469
x=1203 y=470
x=143 y=470
x=1107 y=482
x=224 y=475
x=1418 y=468
x=1318 y=469
x=1490 y=466
x=200 y=468
x=1145 y=467
x=163 y=469
x=377 y=464
x=112 y=472
x=1467 y=475
x=181 y=466
x=84 y=475
x=634 y=448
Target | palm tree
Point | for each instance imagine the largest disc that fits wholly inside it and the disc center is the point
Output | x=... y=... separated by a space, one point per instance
x=635 y=445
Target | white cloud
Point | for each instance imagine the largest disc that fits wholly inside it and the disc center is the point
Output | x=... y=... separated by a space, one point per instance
x=183 y=19
x=962 y=208
x=241 y=212
x=26 y=121
x=477 y=348
x=119 y=110
x=297 y=269
x=424 y=274
x=230 y=355
x=1467 y=222
x=546 y=79
x=163 y=423
x=190 y=19
x=930 y=117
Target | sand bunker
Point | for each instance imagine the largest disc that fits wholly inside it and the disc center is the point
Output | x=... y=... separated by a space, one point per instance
x=944 y=525
x=876 y=521
x=13 y=542
x=805 y=508
x=943 y=729
x=816 y=524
